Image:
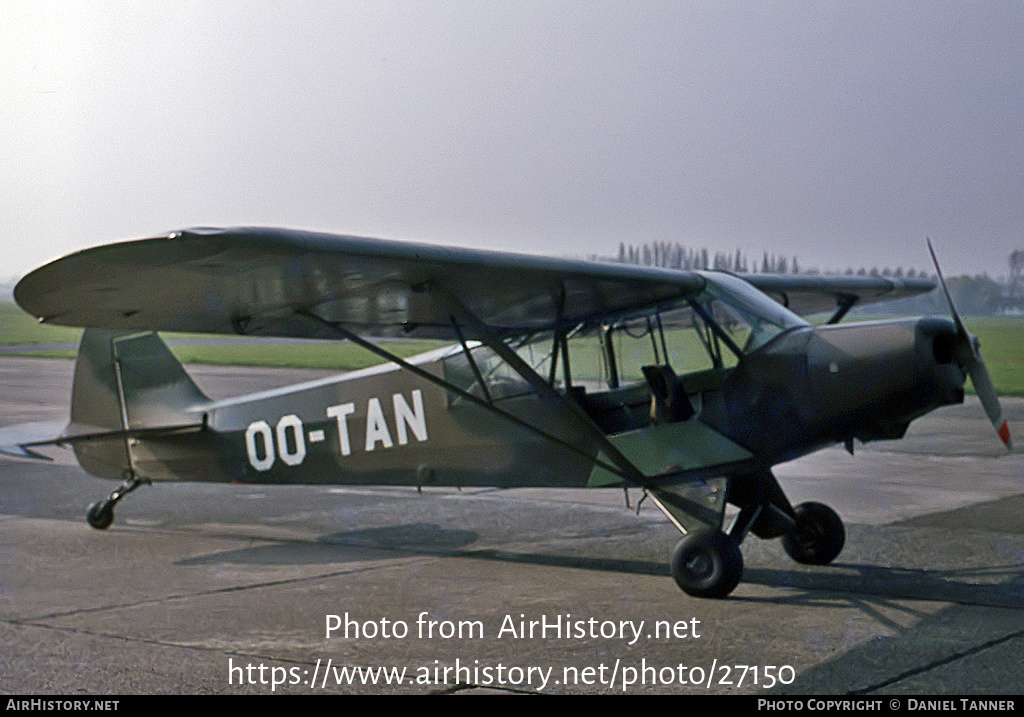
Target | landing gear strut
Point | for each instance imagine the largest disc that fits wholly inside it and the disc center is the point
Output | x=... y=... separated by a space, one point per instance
x=707 y=562
x=101 y=513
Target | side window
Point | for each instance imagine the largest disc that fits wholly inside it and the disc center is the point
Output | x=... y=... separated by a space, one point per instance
x=500 y=380
x=685 y=344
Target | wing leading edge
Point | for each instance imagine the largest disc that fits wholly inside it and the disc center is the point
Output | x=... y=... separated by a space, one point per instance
x=805 y=295
x=278 y=282
x=260 y=282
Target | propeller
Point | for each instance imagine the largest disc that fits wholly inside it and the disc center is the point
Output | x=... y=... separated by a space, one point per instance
x=968 y=353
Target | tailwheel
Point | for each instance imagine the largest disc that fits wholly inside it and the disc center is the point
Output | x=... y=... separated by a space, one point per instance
x=818 y=536
x=707 y=563
x=100 y=514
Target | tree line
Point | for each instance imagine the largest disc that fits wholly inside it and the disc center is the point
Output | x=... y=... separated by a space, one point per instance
x=973 y=295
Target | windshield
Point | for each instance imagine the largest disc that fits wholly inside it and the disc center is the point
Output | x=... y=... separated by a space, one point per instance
x=748 y=317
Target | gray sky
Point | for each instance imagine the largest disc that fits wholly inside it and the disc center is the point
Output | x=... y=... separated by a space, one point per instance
x=841 y=132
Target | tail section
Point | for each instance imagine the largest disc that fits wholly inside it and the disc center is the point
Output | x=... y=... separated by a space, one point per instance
x=127 y=386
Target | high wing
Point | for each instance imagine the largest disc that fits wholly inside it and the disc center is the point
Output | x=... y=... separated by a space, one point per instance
x=806 y=295
x=275 y=282
x=271 y=282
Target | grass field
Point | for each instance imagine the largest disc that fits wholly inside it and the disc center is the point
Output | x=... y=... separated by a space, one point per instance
x=1002 y=341
x=1002 y=346
x=17 y=327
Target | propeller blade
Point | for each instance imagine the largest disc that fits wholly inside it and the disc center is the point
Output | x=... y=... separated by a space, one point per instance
x=990 y=401
x=960 y=329
x=969 y=349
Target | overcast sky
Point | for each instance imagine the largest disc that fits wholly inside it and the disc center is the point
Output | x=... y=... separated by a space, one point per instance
x=841 y=132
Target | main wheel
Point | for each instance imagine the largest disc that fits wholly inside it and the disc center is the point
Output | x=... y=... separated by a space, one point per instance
x=817 y=538
x=707 y=563
x=100 y=515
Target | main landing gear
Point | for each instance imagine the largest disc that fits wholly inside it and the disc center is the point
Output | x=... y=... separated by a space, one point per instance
x=101 y=513
x=708 y=563
x=818 y=536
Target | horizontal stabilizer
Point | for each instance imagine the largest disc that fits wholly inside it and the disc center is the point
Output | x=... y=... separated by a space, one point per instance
x=21 y=440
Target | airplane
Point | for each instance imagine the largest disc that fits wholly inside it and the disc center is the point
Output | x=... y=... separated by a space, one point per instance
x=690 y=385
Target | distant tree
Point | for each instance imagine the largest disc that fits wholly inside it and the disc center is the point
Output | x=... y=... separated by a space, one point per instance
x=1016 y=271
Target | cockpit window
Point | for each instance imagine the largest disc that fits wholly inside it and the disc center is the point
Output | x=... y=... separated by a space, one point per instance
x=748 y=317
x=711 y=331
x=499 y=379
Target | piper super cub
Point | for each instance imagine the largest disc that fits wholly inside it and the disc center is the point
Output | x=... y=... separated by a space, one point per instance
x=690 y=385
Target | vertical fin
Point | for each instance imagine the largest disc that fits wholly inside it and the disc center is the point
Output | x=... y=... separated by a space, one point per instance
x=125 y=381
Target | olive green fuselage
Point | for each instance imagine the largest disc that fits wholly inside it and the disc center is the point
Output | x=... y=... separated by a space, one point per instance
x=386 y=426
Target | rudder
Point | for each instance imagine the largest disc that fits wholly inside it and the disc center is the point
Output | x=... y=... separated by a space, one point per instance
x=126 y=381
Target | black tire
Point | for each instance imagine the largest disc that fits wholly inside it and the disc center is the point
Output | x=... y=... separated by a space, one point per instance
x=707 y=563
x=100 y=515
x=818 y=537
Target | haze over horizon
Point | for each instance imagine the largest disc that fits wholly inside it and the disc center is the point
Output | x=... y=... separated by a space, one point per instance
x=843 y=133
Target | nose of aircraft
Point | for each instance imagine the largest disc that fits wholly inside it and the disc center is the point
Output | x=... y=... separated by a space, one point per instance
x=871 y=379
x=967 y=352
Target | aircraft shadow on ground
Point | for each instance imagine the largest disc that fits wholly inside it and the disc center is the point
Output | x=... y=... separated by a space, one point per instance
x=345 y=546
x=965 y=647
x=990 y=585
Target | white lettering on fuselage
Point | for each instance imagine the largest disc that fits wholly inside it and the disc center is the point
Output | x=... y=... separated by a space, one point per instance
x=290 y=445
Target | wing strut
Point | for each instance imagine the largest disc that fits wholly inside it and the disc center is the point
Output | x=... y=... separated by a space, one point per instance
x=617 y=463
x=843 y=306
x=472 y=362
x=344 y=333
x=626 y=468
x=664 y=498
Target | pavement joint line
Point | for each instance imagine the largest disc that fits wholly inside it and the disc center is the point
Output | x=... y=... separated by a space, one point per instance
x=149 y=641
x=446 y=690
x=867 y=592
x=977 y=649
x=201 y=593
x=164 y=643
x=463 y=686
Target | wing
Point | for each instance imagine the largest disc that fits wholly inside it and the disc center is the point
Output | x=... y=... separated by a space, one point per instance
x=806 y=295
x=269 y=282
x=276 y=282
